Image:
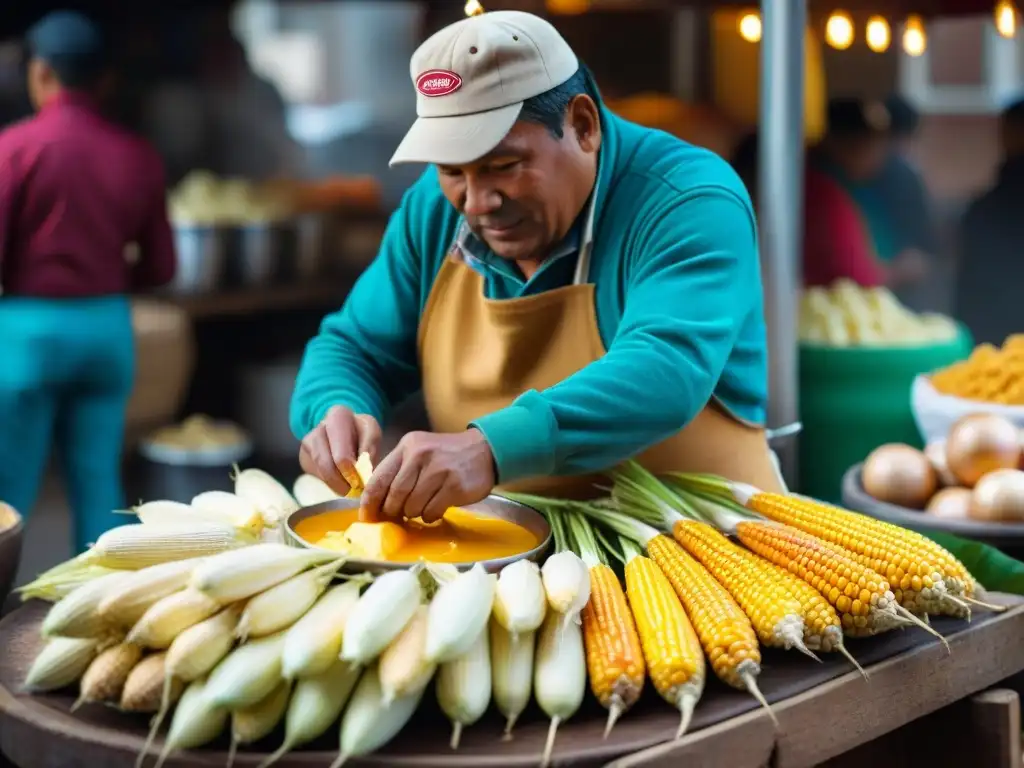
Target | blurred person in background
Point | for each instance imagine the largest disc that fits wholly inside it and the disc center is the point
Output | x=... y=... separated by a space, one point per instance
x=76 y=193
x=990 y=263
x=836 y=243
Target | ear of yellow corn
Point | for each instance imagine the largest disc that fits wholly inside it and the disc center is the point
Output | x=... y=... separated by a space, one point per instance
x=61 y=662
x=237 y=575
x=285 y=603
x=144 y=688
x=127 y=602
x=403 y=665
x=313 y=643
x=169 y=617
x=315 y=705
x=106 y=675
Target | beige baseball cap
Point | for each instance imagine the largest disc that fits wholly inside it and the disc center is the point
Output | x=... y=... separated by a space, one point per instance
x=471 y=80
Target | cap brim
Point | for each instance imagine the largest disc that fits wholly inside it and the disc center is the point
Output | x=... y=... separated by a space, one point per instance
x=456 y=140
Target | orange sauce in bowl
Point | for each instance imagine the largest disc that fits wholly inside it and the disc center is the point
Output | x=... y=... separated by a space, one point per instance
x=460 y=537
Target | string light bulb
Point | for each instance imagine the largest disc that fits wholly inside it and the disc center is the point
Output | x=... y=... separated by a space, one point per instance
x=1006 y=18
x=877 y=34
x=914 y=39
x=473 y=8
x=750 y=27
x=839 y=30
x=567 y=7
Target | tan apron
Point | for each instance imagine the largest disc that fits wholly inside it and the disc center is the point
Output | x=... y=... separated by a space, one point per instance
x=477 y=355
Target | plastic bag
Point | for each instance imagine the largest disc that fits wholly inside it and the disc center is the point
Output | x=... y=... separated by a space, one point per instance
x=935 y=413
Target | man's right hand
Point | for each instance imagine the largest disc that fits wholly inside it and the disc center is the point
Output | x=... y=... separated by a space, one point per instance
x=333 y=446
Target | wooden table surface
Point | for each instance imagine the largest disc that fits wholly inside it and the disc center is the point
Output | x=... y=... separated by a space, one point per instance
x=823 y=710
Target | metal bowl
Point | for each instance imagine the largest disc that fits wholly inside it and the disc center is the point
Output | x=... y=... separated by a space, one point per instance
x=492 y=506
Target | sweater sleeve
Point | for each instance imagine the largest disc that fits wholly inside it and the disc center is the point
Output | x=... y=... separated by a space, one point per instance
x=694 y=282
x=364 y=356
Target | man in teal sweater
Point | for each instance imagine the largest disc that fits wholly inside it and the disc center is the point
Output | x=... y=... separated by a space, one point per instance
x=567 y=289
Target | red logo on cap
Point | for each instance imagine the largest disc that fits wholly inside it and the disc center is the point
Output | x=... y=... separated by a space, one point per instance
x=438 y=82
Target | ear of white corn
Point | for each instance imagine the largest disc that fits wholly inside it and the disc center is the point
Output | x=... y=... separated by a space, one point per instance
x=166 y=512
x=126 y=602
x=106 y=675
x=560 y=674
x=464 y=686
x=519 y=598
x=316 y=704
x=309 y=490
x=253 y=723
x=198 y=649
x=312 y=644
x=458 y=614
x=144 y=688
x=237 y=575
x=403 y=666
x=229 y=508
x=380 y=614
x=78 y=614
x=197 y=721
x=169 y=617
x=285 y=603
x=248 y=674
x=368 y=723
x=61 y=662
x=566 y=581
x=511 y=671
x=136 y=546
x=270 y=497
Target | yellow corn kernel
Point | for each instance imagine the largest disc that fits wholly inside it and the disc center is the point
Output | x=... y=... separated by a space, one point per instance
x=105 y=678
x=144 y=688
x=670 y=645
x=615 y=660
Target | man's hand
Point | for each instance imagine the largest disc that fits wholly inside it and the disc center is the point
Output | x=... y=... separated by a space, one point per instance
x=333 y=447
x=429 y=472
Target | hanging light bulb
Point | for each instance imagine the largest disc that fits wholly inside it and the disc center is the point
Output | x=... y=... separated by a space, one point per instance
x=914 y=40
x=473 y=8
x=1006 y=18
x=839 y=30
x=567 y=7
x=750 y=27
x=877 y=34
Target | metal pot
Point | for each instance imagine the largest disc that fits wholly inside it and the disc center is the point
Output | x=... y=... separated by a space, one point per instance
x=201 y=259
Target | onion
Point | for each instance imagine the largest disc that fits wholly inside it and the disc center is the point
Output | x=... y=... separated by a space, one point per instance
x=936 y=453
x=999 y=497
x=979 y=444
x=899 y=474
x=950 y=504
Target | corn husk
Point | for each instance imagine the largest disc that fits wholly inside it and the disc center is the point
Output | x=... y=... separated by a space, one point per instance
x=60 y=663
x=229 y=508
x=78 y=615
x=403 y=667
x=464 y=686
x=381 y=613
x=248 y=674
x=144 y=688
x=196 y=722
x=253 y=723
x=270 y=497
x=237 y=575
x=127 y=602
x=458 y=614
x=284 y=604
x=309 y=490
x=312 y=644
x=54 y=586
x=368 y=723
x=520 y=602
x=169 y=617
x=511 y=672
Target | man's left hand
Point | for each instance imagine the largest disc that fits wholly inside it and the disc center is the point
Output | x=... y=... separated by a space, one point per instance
x=429 y=472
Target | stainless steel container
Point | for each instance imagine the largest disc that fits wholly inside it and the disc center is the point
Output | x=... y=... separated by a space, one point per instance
x=201 y=259
x=254 y=254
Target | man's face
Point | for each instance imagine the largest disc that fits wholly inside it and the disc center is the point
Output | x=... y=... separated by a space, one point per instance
x=523 y=196
x=42 y=82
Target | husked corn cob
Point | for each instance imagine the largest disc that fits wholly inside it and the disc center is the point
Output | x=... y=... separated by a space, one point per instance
x=670 y=644
x=918 y=570
x=861 y=597
x=105 y=677
x=615 y=659
x=139 y=545
x=144 y=688
x=775 y=615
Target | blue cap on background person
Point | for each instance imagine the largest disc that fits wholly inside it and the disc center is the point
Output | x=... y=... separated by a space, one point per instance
x=72 y=44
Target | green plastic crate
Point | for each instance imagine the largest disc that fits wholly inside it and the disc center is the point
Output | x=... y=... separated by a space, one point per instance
x=853 y=400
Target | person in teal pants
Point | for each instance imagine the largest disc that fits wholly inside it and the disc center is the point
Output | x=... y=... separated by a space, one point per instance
x=77 y=196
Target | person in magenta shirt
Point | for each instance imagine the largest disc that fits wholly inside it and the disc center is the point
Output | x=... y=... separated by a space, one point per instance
x=77 y=195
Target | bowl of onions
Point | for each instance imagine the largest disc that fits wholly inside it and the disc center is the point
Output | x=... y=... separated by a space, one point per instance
x=970 y=484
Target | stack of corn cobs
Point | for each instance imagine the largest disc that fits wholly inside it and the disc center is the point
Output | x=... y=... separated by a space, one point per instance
x=213 y=626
